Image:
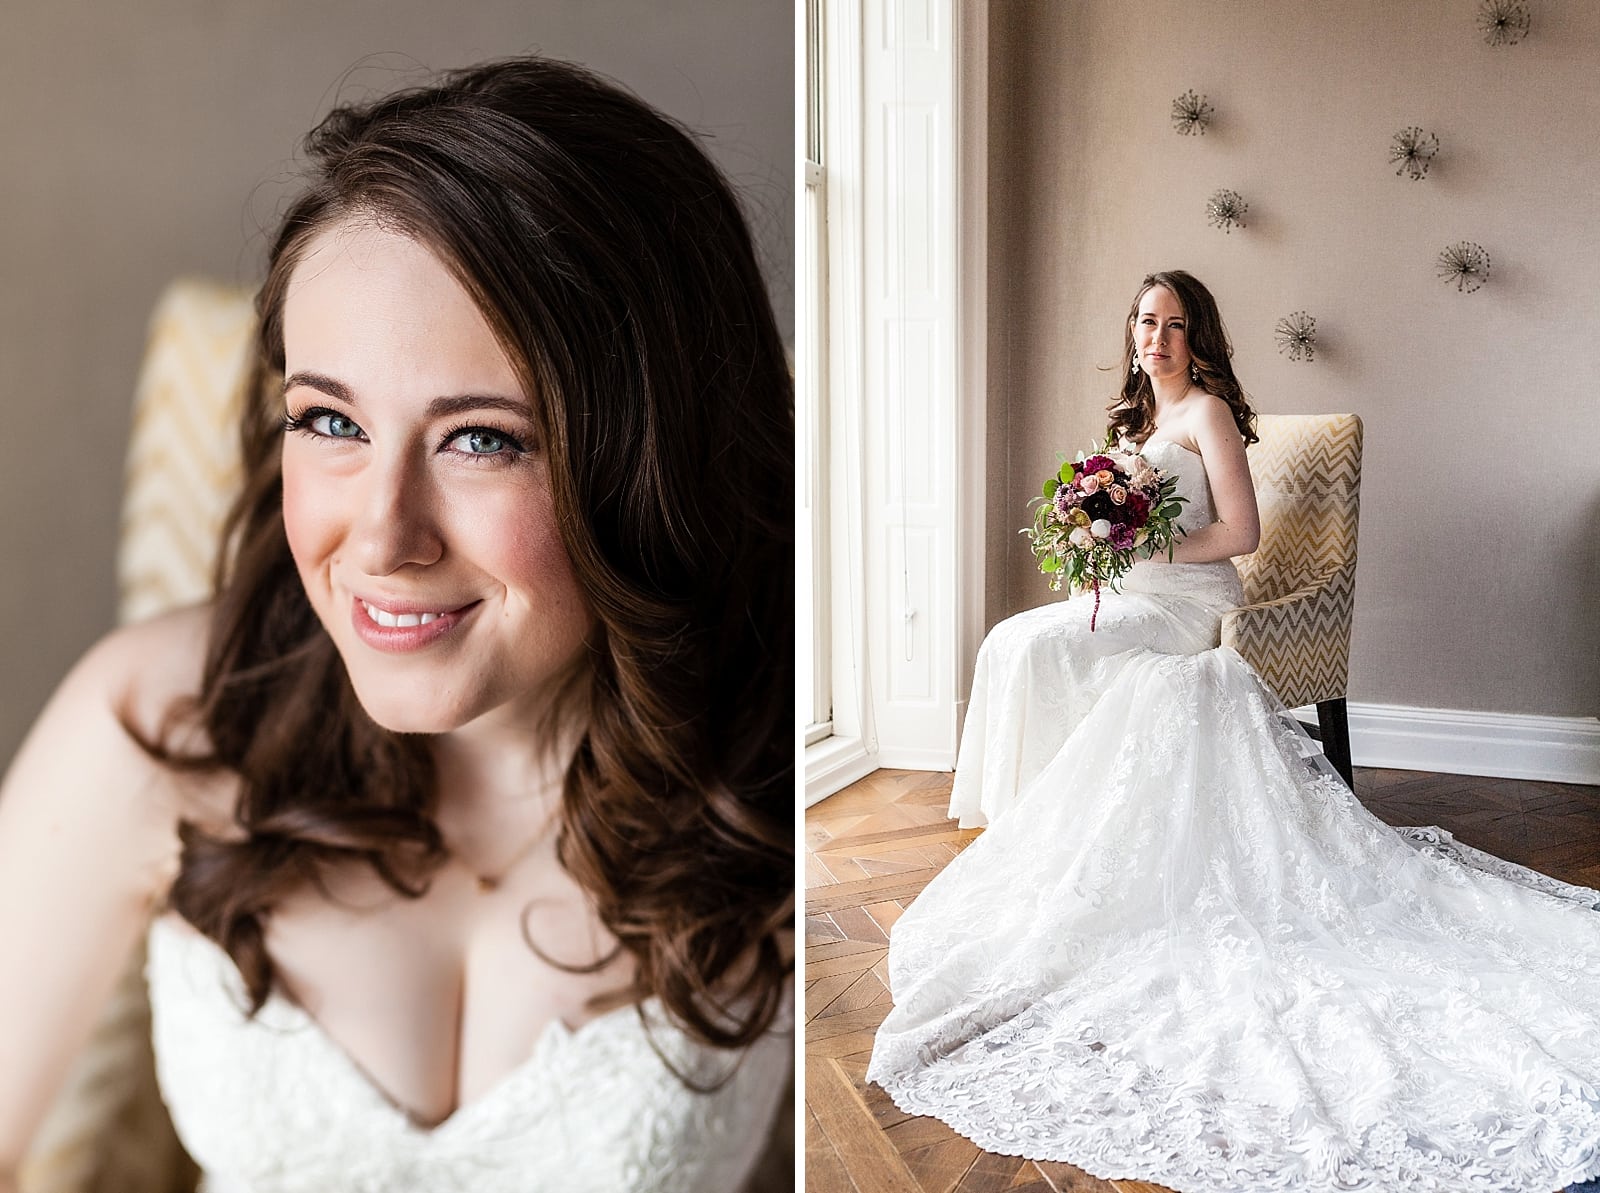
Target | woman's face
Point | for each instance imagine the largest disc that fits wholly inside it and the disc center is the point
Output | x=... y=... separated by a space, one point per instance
x=416 y=493
x=1159 y=335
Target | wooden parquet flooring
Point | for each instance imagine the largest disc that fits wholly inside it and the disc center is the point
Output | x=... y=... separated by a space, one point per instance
x=872 y=847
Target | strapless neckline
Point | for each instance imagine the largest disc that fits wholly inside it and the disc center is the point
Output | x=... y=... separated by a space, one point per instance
x=1150 y=443
x=273 y=1104
x=287 y=1014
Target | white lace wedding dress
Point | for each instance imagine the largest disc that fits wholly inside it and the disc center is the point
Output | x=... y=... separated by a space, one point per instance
x=272 y=1105
x=1183 y=952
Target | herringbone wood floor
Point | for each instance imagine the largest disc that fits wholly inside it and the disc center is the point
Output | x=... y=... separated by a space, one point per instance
x=873 y=846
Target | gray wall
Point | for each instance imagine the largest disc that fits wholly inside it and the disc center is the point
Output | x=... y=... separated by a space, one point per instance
x=1480 y=566
x=145 y=140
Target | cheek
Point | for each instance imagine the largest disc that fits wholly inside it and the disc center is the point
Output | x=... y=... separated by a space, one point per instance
x=527 y=553
x=306 y=521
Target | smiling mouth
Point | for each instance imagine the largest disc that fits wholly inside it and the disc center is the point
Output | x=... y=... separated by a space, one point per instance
x=384 y=618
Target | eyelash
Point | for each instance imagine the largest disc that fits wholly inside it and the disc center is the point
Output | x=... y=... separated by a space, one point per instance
x=302 y=423
x=514 y=450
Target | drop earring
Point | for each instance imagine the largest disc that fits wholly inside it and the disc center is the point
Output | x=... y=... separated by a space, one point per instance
x=1133 y=365
x=1194 y=372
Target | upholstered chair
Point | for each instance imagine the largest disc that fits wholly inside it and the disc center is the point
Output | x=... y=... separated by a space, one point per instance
x=108 y=1131
x=1300 y=583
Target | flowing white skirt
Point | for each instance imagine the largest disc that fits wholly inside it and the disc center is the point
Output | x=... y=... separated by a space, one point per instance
x=1186 y=954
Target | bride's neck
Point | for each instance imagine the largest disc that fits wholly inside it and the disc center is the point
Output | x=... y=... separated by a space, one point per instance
x=1169 y=393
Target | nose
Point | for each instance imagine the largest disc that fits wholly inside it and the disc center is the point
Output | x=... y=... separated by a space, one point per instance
x=396 y=523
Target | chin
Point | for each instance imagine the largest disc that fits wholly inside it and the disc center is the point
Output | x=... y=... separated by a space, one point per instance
x=401 y=711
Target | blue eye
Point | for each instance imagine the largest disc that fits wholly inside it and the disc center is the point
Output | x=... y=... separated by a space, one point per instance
x=322 y=423
x=335 y=426
x=484 y=443
x=481 y=443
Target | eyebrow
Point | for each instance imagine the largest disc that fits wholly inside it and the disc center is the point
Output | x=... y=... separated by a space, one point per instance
x=441 y=407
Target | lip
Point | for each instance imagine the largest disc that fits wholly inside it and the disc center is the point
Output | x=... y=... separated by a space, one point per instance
x=402 y=639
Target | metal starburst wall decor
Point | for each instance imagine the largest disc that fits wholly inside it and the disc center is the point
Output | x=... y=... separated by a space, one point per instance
x=1412 y=150
x=1464 y=263
x=1191 y=114
x=1504 y=22
x=1226 y=210
x=1297 y=336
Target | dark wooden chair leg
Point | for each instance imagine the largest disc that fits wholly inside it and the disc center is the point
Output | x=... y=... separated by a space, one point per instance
x=1335 y=726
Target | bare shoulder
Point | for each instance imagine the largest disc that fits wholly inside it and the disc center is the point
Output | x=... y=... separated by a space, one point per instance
x=1208 y=415
x=139 y=670
x=82 y=771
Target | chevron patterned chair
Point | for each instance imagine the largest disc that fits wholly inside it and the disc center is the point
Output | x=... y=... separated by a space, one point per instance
x=108 y=1131
x=1299 y=585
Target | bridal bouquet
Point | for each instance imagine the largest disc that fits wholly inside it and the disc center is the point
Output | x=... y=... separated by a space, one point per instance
x=1098 y=514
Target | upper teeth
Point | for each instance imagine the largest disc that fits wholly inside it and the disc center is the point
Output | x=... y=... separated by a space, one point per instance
x=385 y=618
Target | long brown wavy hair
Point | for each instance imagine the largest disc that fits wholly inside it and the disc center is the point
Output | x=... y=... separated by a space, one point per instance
x=611 y=260
x=1133 y=410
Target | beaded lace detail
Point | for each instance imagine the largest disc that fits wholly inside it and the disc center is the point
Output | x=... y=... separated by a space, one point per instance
x=272 y=1105
x=1182 y=953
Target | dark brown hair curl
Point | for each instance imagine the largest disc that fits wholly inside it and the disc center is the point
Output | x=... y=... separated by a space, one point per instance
x=610 y=259
x=1133 y=410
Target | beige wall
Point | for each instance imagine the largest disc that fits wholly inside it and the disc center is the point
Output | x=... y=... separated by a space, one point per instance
x=1480 y=561
x=145 y=140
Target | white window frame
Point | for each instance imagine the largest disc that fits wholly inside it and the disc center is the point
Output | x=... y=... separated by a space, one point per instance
x=904 y=121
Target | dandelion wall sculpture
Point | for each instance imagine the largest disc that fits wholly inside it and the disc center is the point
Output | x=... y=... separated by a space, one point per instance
x=1297 y=336
x=1412 y=150
x=1191 y=114
x=1504 y=22
x=1466 y=264
x=1226 y=210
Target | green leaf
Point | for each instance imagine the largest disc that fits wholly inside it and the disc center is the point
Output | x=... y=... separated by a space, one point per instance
x=1050 y=487
x=1067 y=472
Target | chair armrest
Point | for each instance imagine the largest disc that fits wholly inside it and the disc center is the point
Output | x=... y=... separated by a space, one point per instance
x=1299 y=643
x=1254 y=613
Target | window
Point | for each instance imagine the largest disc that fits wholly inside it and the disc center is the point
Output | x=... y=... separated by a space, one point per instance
x=814 y=604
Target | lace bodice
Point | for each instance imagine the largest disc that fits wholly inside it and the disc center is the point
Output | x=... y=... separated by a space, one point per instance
x=272 y=1105
x=1216 y=584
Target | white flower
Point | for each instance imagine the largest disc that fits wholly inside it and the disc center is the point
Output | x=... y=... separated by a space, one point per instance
x=1080 y=537
x=1100 y=528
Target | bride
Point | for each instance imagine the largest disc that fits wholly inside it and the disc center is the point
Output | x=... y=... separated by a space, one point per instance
x=1182 y=952
x=465 y=810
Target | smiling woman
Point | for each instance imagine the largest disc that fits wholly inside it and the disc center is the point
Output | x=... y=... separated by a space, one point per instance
x=465 y=808
x=417 y=501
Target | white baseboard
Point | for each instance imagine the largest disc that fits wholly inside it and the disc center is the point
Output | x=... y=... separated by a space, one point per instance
x=1449 y=741
x=835 y=763
x=917 y=759
x=1463 y=742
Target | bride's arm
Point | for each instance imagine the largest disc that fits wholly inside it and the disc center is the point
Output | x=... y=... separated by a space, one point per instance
x=1237 y=529
x=87 y=844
